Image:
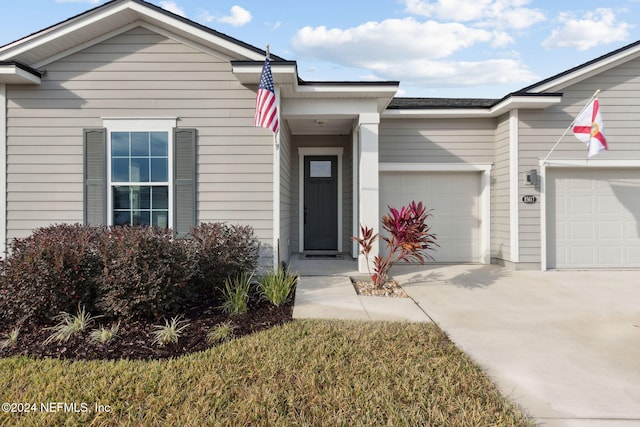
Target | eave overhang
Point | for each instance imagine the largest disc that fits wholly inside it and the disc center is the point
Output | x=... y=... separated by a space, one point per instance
x=285 y=76
x=14 y=73
x=515 y=101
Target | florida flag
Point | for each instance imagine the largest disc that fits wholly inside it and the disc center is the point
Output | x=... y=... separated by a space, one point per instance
x=266 y=107
x=588 y=128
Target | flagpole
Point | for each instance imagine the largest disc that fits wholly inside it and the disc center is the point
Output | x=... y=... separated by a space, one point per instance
x=570 y=126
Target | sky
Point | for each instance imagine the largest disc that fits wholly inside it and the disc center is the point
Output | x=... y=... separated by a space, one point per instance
x=435 y=48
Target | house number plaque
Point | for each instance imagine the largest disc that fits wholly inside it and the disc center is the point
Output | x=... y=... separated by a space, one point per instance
x=529 y=199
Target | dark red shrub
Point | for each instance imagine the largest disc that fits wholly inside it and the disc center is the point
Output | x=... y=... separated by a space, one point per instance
x=146 y=273
x=222 y=250
x=53 y=270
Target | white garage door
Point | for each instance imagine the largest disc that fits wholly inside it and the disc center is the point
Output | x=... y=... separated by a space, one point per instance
x=593 y=218
x=455 y=200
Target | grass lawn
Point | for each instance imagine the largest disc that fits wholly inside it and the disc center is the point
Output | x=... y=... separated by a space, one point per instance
x=321 y=373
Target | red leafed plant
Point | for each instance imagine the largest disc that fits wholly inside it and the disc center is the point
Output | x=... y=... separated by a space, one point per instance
x=409 y=239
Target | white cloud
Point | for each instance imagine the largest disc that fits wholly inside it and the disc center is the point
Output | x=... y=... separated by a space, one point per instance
x=392 y=39
x=239 y=16
x=485 y=13
x=455 y=73
x=413 y=52
x=593 y=29
x=79 y=1
x=172 y=7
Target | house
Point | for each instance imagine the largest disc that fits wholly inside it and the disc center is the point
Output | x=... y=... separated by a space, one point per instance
x=128 y=113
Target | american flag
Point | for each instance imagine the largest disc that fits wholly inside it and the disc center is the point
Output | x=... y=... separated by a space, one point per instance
x=266 y=106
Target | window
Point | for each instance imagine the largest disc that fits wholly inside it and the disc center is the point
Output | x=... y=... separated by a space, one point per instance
x=140 y=178
x=140 y=172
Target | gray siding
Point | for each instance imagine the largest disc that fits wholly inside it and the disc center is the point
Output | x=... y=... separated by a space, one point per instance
x=500 y=206
x=137 y=74
x=437 y=141
x=539 y=130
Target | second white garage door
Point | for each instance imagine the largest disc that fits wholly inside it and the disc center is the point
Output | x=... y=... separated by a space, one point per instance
x=455 y=200
x=593 y=218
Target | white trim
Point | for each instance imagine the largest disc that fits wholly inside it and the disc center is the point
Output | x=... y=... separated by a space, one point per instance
x=50 y=35
x=355 y=157
x=85 y=45
x=485 y=192
x=514 y=186
x=144 y=124
x=276 y=187
x=124 y=29
x=578 y=164
x=140 y=123
x=12 y=74
x=583 y=73
x=120 y=12
x=591 y=163
x=191 y=29
x=318 y=151
x=3 y=170
x=503 y=107
x=435 y=167
x=543 y=216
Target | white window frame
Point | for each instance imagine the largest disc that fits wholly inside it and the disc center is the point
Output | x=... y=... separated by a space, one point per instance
x=139 y=125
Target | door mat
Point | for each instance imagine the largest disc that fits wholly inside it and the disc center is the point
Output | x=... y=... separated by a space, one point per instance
x=321 y=256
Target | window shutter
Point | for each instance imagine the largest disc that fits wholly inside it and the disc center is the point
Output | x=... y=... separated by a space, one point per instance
x=184 y=180
x=95 y=176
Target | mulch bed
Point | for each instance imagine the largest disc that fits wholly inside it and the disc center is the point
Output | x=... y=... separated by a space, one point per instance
x=390 y=289
x=135 y=339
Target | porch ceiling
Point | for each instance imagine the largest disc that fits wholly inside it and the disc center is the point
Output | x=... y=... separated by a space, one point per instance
x=321 y=126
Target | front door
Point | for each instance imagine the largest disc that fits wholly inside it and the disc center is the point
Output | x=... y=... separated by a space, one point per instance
x=320 y=203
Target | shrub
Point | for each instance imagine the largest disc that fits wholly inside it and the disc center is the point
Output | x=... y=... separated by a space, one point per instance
x=170 y=332
x=409 y=239
x=235 y=294
x=11 y=339
x=145 y=273
x=222 y=250
x=104 y=335
x=221 y=332
x=276 y=286
x=50 y=271
x=69 y=325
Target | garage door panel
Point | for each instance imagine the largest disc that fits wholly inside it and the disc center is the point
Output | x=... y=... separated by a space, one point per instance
x=454 y=198
x=593 y=218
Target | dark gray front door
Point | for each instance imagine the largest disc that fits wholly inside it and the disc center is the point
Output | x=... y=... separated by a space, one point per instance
x=320 y=203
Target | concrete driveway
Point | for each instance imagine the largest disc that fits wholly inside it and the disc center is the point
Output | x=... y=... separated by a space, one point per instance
x=564 y=345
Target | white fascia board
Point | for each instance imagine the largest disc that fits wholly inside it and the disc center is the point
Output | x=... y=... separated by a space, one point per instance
x=12 y=74
x=442 y=113
x=48 y=36
x=250 y=74
x=511 y=103
x=524 y=102
x=588 y=71
x=199 y=33
x=145 y=14
x=305 y=108
x=374 y=90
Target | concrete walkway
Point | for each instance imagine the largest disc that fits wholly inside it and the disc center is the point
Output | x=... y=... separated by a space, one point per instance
x=564 y=345
x=325 y=291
